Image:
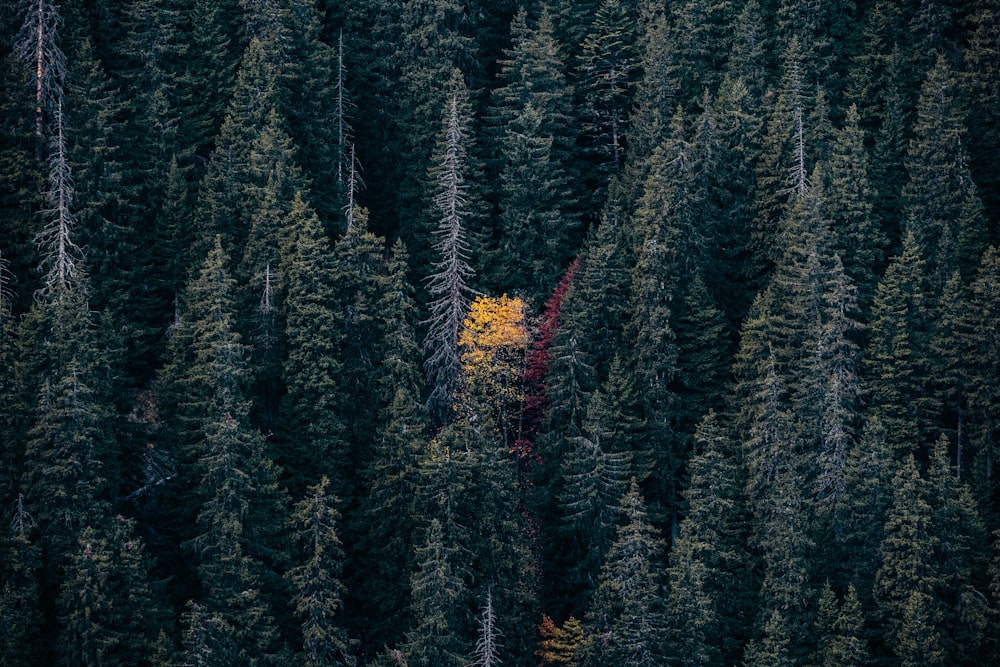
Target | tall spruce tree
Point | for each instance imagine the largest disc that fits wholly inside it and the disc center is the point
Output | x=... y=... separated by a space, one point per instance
x=19 y=595
x=435 y=40
x=909 y=610
x=67 y=447
x=626 y=618
x=109 y=612
x=608 y=69
x=237 y=539
x=840 y=638
x=317 y=591
x=941 y=205
x=711 y=583
x=982 y=344
x=313 y=440
x=532 y=112
x=894 y=365
x=859 y=241
x=594 y=476
x=437 y=602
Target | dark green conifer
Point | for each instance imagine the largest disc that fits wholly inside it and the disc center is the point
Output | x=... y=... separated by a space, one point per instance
x=20 y=610
x=385 y=553
x=437 y=601
x=839 y=630
x=909 y=609
x=317 y=595
x=594 y=476
x=227 y=195
x=982 y=344
x=608 y=70
x=858 y=240
x=359 y=277
x=894 y=365
x=433 y=42
x=978 y=81
x=537 y=228
x=771 y=649
x=784 y=165
x=626 y=622
x=109 y=613
x=961 y=559
x=313 y=439
x=711 y=596
x=941 y=205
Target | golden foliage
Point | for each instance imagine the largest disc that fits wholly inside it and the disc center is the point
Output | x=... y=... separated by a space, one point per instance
x=494 y=343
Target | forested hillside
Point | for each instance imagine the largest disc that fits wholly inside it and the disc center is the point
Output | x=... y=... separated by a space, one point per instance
x=554 y=333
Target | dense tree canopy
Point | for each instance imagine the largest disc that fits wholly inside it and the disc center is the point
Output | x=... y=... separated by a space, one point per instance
x=476 y=333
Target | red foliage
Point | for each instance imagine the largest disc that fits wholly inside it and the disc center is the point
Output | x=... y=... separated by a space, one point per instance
x=537 y=368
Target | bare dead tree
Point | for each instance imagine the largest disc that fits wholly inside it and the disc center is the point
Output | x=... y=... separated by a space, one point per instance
x=37 y=46
x=60 y=255
x=448 y=285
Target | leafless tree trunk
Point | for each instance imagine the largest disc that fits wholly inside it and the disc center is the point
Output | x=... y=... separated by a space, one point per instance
x=36 y=45
x=60 y=254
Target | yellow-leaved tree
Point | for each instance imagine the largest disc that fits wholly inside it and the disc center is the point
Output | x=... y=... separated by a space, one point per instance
x=494 y=344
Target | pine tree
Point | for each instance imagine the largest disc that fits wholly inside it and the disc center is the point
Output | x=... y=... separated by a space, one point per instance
x=692 y=619
x=941 y=205
x=782 y=170
x=384 y=534
x=359 y=275
x=860 y=243
x=233 y=551
x=982 y=344
x=502 y=559
x=909 y=609
x=594 y=476
x=626 y=622
x=231 y=188
x=386 y=542
x=978 y=82
x=537 y=229
x=318 y=594
x=310 y=411
x=772 y=648
x=786 y=551
x=656 y=93
x=822 y=29
x=210 y=64
x=108 y=611
x=840 y=626
x=596 y=308
x=437 y=598
x=961 y=558
x=894 y=365
x=434 y=41
x=67 y=446
x=735 y=253
x=10 y=426
x=20 y=611
x=853 y=526
x=238 y=506
x=608 y=70
x=711 y=596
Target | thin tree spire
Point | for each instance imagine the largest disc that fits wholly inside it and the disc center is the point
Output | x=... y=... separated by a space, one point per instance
x=60 y=255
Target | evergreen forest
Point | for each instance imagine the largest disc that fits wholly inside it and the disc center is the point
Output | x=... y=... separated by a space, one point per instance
x=535 y=333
